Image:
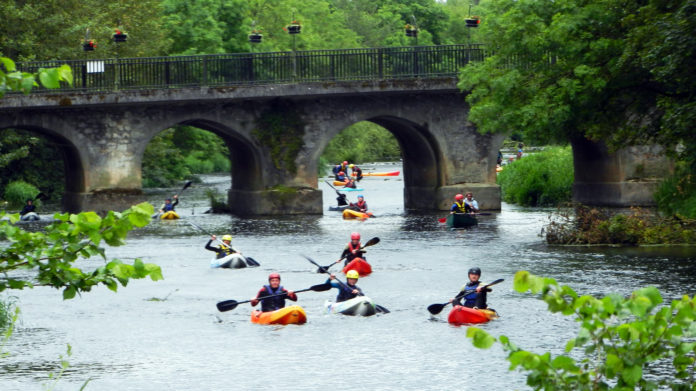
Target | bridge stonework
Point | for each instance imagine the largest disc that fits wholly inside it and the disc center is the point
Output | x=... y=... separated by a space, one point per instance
x=103 y=136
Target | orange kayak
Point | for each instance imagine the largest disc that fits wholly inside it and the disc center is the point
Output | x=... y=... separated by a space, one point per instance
x=293 y=314
x=360 y=265
x=352 y=214
x=462 y=315
x=339 y=183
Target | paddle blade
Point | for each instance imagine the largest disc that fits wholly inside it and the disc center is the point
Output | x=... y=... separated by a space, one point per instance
x=252 y=262
x=372 y=242
x=41 y=196
x=442 y=220
x=320 y=287
x=381 y=309
x=186 y=185
x=436 y=308
x=227 y=305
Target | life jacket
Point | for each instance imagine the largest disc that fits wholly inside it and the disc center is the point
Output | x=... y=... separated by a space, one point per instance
x=361 y=204
x=461 y=207
x=168 y=207
x=350 y=184
x=273 y=303
x=226 y=250
x=470 y=299
x=346 y=293
x=352 y=256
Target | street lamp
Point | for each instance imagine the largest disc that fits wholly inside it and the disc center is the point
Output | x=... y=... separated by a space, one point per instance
x=293 y=29
x=118 y=37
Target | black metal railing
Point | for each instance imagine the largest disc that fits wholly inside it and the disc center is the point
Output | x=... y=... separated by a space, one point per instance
x=388 y=63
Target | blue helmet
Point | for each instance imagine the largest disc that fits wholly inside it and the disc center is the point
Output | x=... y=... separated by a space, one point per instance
x=360 y=196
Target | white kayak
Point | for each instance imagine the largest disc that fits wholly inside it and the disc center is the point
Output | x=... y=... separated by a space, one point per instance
x=232 y=261
x=31 y=216
x=361 y=305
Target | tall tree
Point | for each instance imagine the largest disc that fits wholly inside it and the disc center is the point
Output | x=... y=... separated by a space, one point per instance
x=592 y=68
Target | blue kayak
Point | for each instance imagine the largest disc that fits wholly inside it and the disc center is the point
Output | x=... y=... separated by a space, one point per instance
x=349 y=189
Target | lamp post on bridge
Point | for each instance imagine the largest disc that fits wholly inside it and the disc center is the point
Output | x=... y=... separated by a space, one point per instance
x=118 y=37
x=293 y=29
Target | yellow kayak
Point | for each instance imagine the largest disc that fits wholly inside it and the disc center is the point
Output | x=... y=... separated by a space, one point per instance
x=171 y=215
x=352 y=214
x=293 y=314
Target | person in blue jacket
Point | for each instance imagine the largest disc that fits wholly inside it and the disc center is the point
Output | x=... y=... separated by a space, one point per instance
x=168 y=206
x=476 y=298
x=273 y=288
x=349 y=290
x=29 y=207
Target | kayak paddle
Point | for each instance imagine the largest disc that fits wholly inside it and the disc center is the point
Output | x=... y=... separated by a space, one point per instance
x=370 y=242
x=228 y=305
x=437 y=308
x=378 y=307
x=251 y=262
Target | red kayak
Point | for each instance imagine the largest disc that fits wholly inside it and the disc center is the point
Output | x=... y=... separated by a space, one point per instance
x=461 y=315
x=358 y=264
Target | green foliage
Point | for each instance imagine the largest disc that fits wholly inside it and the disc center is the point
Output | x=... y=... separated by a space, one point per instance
x=32 y=159
x=280 y=129
x=618 y=341
x=592 y=226
x=53 y=29
x=177 y=153
x=362 y=142
x=16 y=193
x=543 y=178
x=13 y=80
x=619 y=71
x=47 y=258
x=677 y=194
x=206 y=26
x=7 y=313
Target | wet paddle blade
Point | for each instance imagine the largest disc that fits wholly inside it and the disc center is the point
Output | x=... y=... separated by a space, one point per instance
x=320 y=287
x=252 y=262
x=227 y=305
x=41 y=196
x=442 y=220
x=381 y=309
x=372 y=242
x=186 y=185
x=436 y=308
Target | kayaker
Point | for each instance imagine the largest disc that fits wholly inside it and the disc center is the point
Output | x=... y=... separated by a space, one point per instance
x=519 y=150
x=340 y=167
x=360 y=206
x=349 y=290
x=341 y=176
x=353 y=250
x=273 y=288
x=168 y=206
x=28 y=207
x=224 y=249
x=471 y=202
x=356 y=172
x=477 y=297
x=350 y=183
x=459 y=205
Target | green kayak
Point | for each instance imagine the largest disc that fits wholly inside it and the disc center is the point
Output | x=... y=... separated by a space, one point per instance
x=461 y=220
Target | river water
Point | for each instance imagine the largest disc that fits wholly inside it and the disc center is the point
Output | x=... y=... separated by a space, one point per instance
x=168 y=334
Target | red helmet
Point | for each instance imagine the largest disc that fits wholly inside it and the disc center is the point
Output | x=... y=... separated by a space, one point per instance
x=345 y=162
x=273 y=275
x=355 y=236
x=341 y=173
x=459 y=197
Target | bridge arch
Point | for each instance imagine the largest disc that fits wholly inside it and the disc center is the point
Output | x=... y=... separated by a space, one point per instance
x=74 y=178
x=246 y=169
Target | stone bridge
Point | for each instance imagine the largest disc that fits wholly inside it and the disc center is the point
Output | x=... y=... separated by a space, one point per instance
x=276 y=132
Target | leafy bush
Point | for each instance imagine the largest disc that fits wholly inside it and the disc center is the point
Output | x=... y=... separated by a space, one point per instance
x=362 y=142
x=17 y=193
x=677 y=194
x=620 y=339
x=592 y=226
x=7 y=312
x=544 y=178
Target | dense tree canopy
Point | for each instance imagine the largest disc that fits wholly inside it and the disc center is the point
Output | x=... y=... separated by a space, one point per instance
x=619 y=71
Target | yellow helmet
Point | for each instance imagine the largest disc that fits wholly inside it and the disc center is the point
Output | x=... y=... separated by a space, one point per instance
x=352 y=274
x=351 y=165
x=227 y=237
